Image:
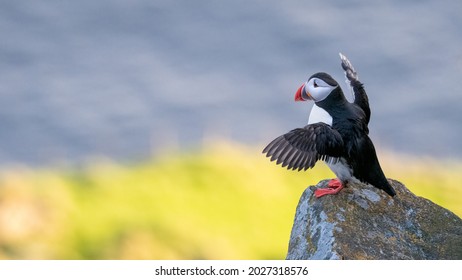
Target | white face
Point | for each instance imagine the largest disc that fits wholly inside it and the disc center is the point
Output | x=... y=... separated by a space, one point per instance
x=318 y=89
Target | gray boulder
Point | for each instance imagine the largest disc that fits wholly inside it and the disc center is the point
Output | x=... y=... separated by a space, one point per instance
x=363 y=222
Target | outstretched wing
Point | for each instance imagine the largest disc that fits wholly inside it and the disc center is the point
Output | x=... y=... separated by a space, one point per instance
x=302 y=147
x=357 y=88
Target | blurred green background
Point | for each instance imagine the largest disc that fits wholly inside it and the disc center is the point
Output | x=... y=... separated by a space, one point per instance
x=225 y=201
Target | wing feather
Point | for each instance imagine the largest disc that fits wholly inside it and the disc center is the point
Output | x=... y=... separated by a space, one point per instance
x=356 y=87
x=301 y=148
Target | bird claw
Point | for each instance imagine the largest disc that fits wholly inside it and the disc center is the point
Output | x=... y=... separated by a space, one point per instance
x=333 y=187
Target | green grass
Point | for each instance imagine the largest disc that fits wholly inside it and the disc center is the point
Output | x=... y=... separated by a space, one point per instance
x=227 y=203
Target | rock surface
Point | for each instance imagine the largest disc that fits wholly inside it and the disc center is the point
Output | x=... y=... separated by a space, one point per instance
x=363 y=222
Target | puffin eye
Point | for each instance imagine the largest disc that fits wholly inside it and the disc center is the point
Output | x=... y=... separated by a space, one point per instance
x=315 y=84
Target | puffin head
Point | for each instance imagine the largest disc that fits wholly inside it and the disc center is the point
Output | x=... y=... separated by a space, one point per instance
x=317 y=88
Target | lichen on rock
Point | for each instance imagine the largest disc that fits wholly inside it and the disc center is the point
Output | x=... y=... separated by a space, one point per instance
x=363 y=222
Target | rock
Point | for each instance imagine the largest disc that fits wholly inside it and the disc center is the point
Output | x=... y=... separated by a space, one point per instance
x=363 y=222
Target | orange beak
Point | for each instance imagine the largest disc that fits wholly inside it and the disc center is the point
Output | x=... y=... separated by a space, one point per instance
x=302 y=94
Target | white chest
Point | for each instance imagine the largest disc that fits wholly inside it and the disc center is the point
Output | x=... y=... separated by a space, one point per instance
x=318 y=114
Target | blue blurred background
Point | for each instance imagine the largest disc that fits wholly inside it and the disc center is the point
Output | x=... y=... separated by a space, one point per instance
x=127 y=79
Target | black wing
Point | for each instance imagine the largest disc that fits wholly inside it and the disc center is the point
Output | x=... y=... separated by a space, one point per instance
x=302 y=147
x=357 y=87
x=366 y=166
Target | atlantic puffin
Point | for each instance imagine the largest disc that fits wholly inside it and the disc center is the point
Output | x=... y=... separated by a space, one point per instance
x=337 y=133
